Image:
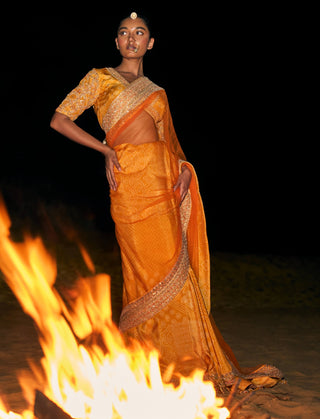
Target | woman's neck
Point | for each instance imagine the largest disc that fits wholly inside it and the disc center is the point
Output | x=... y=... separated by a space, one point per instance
x=134 y=67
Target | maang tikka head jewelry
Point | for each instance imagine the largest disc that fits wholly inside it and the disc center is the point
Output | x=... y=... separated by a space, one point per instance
x=133 y=15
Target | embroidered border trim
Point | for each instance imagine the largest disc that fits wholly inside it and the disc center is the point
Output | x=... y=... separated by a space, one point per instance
x=165 y=291
x=132 y=96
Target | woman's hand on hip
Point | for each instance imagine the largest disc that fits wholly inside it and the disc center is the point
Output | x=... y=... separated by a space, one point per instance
x=183 y=182
x=111 y=162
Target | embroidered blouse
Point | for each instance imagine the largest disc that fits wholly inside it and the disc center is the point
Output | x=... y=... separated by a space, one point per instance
x=115 y=100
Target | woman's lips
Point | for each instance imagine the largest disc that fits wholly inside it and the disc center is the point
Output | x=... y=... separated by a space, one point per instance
x=132 y=48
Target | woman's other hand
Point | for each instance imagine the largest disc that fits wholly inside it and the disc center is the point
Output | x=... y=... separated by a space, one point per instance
x=183 y=182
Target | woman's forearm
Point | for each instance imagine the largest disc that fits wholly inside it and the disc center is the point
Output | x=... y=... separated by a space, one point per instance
x=68 y=128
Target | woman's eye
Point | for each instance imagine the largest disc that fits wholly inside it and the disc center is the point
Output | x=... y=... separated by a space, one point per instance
x=140 y=33
x=122 y=33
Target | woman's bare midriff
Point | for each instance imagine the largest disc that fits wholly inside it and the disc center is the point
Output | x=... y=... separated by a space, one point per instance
x=141 y=130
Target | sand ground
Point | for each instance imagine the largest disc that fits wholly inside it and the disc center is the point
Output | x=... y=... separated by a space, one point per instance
x=267 y=308
x=289 y=339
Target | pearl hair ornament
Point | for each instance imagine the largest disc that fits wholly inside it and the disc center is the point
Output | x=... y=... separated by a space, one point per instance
x=133 y=15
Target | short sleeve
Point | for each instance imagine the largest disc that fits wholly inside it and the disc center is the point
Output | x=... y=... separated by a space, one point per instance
x=82 y=97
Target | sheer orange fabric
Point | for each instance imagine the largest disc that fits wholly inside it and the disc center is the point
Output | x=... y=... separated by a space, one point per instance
x=141 y=130
x=164 y=247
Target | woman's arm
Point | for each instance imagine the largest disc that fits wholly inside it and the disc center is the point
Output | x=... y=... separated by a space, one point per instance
x=69 y=129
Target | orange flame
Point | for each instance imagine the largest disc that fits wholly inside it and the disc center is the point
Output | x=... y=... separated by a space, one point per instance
x=87 y=369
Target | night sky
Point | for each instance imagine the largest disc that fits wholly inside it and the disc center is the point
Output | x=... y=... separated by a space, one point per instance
x=237 y=85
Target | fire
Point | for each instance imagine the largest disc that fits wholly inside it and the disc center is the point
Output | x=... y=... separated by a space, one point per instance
x=87 y=369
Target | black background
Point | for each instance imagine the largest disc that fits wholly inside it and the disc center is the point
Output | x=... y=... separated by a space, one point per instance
x=240 y=88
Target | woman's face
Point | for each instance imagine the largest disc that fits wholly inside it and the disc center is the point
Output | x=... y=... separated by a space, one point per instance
x=133 y=39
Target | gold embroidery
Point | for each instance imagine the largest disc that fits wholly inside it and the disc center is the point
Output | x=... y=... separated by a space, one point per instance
x=129 y=99
x=82 y=97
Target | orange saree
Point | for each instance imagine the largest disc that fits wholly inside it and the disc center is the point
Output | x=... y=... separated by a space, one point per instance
x=164 y=247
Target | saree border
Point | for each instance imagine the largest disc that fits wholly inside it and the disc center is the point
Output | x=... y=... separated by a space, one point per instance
x=130 y=98
x=164 y=292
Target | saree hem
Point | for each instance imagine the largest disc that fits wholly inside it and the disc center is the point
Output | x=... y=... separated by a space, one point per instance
x=265 y=376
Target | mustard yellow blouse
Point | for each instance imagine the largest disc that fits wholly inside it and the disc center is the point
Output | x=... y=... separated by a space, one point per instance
x=114 y=99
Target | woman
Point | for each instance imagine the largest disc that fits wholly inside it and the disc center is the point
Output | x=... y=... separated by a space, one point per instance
x=158 y=214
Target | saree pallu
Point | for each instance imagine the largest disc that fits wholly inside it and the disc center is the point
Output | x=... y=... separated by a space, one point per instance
x=165 y=305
